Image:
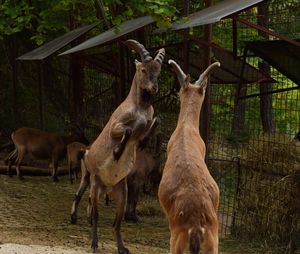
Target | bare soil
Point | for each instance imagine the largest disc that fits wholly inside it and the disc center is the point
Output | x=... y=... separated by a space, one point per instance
x=34 y=218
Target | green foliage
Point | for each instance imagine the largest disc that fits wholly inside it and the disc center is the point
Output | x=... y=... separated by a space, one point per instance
x=162 y=11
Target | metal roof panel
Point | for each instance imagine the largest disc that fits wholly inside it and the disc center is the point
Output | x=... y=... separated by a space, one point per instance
x=51 y=47
x=213 y=13
x=111 y=34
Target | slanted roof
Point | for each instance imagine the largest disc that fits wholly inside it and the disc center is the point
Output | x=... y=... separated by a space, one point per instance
x=285 y=57
x=233 y=69
x=112 y=34
x=56 y=44
x=213 y=13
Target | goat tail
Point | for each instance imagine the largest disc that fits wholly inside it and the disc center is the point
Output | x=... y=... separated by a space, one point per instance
x=80 y=154
x=195 y=238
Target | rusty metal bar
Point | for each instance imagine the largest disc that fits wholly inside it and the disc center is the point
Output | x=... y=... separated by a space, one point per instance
x=270 y=92
x=266 y=30
x=206 y=109
x=234 y=37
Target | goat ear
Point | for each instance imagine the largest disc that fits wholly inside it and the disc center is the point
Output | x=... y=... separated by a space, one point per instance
x=186 y=81
x=203 y=85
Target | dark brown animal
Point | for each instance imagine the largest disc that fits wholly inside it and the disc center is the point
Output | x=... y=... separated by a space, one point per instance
x=73 y=151
x=40 y=145
x=145 y=164
x=187 y=192
x=112 y=155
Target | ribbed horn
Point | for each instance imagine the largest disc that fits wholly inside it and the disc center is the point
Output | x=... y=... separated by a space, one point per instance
x=160 y=56
x=139 y=48
x=179 y=72
x=206 y=73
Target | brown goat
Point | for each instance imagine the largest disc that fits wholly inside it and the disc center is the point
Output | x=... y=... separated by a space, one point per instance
x=145 y=164
x=187 y=192
x=40 y=145
x=112 y=155
x=73 y=151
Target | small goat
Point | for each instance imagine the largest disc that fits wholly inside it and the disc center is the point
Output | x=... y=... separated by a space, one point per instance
x=73 y=151
x=187 y=192
x=40 y=145
x=145 y=164
x=112 y=155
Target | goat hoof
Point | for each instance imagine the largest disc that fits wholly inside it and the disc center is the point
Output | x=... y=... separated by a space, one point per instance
x=73 y=219
x=132 y=218
x=95 y=246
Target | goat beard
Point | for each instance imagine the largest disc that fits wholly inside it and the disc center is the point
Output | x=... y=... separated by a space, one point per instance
x=145 y=96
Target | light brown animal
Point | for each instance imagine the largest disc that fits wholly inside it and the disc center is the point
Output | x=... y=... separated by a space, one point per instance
x=146 y=163
x=40 y=145
x=73 y=151
x=187 y=192
x=112 y=155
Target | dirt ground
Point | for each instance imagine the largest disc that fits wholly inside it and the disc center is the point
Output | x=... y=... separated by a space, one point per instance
x=34 y=218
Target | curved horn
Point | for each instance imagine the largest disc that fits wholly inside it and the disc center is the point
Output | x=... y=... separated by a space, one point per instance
x=179 y=72
x=139 y=48
x=206 y=73
x=160 y=56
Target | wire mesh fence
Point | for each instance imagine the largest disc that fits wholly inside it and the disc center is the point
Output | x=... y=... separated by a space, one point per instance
x=251 y=151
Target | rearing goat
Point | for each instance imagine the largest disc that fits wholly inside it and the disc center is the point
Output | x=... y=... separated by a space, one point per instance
x=187 y=192
x=111 y=156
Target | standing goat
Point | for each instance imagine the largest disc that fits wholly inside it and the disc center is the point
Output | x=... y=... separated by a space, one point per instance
x=145 y=164
x=187 y=192
x=73 y=150
x=40 y=145
x=112 y=155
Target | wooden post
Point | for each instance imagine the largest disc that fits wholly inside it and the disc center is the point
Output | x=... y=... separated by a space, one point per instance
x=206 y=110
x=41 y=94
x=186 y=56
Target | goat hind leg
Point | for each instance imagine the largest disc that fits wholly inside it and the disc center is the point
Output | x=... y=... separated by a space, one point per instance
x=119 y=194
x=84 y=183
x=11 y=158
x=21 y=154
x=178 y=242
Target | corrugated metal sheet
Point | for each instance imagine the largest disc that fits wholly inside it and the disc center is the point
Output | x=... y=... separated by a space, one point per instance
x=56 y=44
x=112 y=34
x=282 y=55
x=213 y=13
x=233 y=69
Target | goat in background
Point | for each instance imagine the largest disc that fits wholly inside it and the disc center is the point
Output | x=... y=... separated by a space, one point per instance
x=187 y=192
x=111 y=156
x=40 y=145
x=73 y=150
x=146 y=163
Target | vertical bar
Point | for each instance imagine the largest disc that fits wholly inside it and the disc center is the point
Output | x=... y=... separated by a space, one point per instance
x=205 y=113
x=234 y=37
x=186 y=60
x=15 y=83
x=41 y=94
x=122 y=73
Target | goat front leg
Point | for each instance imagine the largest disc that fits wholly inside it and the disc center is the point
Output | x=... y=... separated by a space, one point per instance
x=154 y=123
x=94 y=197
x=120 y=148
x=119 y=194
